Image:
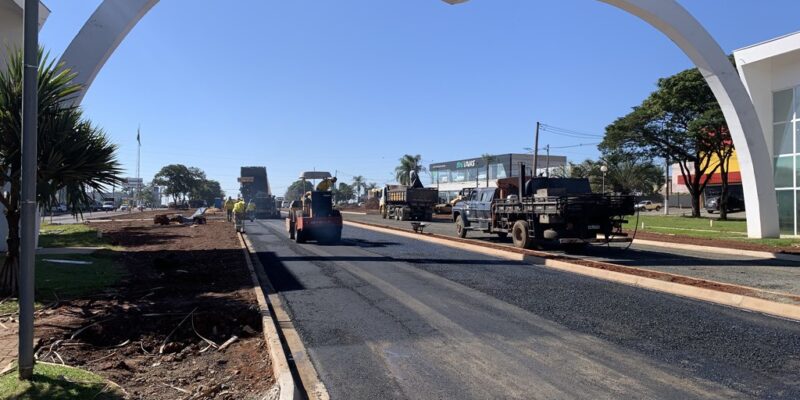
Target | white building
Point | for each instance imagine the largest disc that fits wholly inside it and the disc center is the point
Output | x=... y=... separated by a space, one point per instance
x=771 y=74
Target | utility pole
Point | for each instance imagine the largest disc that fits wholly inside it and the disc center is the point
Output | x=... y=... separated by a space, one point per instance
x=667 y=182
x=28 y=176
x=547 y=163
x=138 y=167
x=535 y=151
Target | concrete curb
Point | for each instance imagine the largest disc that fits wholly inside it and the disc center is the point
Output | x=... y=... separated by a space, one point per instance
x=749 y=303
x=280 y=364
x=718 y=250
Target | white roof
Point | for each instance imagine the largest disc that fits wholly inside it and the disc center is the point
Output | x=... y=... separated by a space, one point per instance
x=315 y=175
x=768 y=49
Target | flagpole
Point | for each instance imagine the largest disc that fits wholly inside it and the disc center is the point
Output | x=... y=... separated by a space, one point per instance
x=138 y=164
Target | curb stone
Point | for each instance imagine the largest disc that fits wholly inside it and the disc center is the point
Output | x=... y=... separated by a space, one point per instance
x=718 y=250
x=280 y=365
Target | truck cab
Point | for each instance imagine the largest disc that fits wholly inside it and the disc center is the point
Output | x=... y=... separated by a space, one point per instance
x=474 y=212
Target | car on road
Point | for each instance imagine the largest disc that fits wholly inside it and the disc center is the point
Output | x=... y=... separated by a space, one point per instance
x=647 y=205
x=123 y=207
x=108 y=206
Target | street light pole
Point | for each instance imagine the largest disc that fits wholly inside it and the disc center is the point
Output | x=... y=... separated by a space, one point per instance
x=604 y=169
x=28 y=176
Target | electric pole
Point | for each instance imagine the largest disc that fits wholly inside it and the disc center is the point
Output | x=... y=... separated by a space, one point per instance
x=535 y=151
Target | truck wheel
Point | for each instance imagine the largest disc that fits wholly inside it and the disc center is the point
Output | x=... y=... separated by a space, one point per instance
x=292 y=231
x=461 y=231
x=401 y=215
x=520 y=234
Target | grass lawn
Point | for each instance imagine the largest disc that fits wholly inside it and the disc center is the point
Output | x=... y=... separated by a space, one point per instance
x=71 y=235
x=70 y=280
x=701 y=228
x=52 y=381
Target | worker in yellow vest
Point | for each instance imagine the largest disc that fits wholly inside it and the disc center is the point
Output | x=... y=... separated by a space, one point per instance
x=251 y=210
x=239 y=215
x=229 y=208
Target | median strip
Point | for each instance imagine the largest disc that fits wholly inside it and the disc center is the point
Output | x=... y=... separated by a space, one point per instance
x=742 y=297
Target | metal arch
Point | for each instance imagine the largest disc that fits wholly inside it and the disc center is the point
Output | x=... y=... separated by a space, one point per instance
x=113 y=19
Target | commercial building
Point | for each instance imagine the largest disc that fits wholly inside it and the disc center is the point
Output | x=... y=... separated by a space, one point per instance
x=452 y=176
x=771 y=73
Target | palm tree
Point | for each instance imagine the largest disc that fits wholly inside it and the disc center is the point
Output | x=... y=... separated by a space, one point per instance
x=359 y=183
x=487 y=159
x=73 y=154
x=408 y=163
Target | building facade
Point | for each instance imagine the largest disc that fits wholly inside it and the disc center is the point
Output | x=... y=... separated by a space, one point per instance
x=771 y=74
x=452 y=176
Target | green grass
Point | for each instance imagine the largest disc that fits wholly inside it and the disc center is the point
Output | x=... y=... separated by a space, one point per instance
x=702 y=228
x=71 y=235
x=51 y=381
x=71 y=281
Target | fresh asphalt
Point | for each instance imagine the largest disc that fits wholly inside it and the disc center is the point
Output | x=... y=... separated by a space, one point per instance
x=384 y=316
x=767 y=274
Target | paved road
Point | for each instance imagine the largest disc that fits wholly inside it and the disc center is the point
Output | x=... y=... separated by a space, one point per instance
x=767 y=274
x=389 y=317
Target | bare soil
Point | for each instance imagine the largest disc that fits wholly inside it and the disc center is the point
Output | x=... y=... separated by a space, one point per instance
x=187 y=287
x=731 y=244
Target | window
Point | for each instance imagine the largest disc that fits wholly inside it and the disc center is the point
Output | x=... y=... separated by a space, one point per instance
x=782 y=139
x=784 y=172
x=786 y=210
x=782 y=106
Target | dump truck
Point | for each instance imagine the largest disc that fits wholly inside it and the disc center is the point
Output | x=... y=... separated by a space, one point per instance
x=561 y=211
x=403 y=202
x=255 y=187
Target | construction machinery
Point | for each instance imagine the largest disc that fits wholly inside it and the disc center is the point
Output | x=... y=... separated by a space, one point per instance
x=255 y=187
x=313 y=216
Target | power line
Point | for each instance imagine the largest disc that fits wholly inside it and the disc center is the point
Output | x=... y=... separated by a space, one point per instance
x=568 y=132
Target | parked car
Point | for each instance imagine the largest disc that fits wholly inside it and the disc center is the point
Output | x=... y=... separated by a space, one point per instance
x=108 y=206
x=734 y=204
x=123 y=207
x=647 y=205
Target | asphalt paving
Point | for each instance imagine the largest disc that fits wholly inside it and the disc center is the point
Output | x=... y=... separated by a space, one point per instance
x=384 y=316
x=767 y=274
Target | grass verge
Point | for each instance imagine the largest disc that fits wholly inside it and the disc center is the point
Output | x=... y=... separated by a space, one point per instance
x=64 y=281
x=52 y=381
x=703 y=228
x=71 y=235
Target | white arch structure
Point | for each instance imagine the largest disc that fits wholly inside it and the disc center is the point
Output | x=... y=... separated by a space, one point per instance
x=113 y=19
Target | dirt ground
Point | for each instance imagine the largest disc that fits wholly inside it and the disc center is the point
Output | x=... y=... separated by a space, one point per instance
x=159 y=333
x=733 y=244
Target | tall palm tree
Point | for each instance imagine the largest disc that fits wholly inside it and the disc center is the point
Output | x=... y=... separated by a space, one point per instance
x=359 y=183
x=73 y=154
x=408 y=163
x=487 y=159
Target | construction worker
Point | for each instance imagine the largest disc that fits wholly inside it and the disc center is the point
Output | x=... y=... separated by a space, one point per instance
x=251 y=210
x=326 y=184
x=229 y=208
x=239 y=215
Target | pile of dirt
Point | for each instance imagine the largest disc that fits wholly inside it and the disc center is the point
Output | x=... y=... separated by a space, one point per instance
x=184 y=322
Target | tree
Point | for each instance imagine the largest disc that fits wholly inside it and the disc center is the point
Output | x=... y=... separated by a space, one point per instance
x=487 y=159
x=344 y=192
x=408 y=163
x=713 y=123
x=207 y=190
x=73 y=154
x=626 y=174
x=359 y=183
x=148 y=195
x=178 y=180
x=674 y=123
x=296 y=190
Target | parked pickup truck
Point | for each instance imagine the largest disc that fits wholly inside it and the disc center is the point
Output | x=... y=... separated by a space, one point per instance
x=556 y=210
x=648 y=205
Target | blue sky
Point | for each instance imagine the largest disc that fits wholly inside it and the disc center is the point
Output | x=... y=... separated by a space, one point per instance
x=352 y=85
